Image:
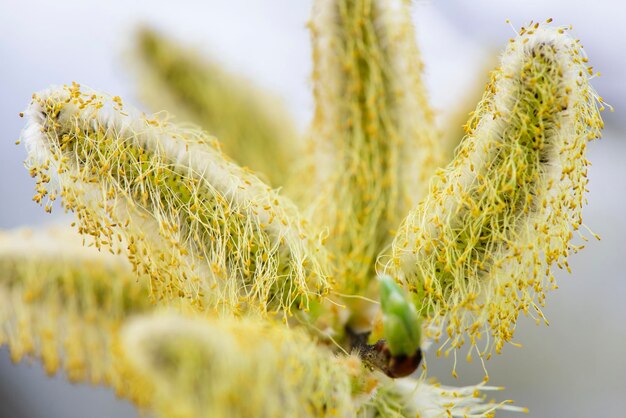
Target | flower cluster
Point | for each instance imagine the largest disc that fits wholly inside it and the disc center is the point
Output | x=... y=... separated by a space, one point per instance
x=198 y=290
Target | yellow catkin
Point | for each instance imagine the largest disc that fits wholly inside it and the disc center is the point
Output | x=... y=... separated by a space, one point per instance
x=202 y=228
x=251 y=124
x=235 y=368
x=482 y=245
x=402 y=398
x=372 y=140
x=63 y=303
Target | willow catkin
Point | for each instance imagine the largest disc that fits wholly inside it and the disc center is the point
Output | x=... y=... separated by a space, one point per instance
x=235 y=368
x=63 y=303
x=199 y=226
x=481 y=246
x=253 y=127
x=401 y=398
x=372 y=138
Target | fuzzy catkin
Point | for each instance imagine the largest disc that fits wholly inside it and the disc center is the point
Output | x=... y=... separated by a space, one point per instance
x=401 y=398
x=63 y=303
x=202 y=228
x=235 y=368
x=372 y=139
x=482 y=245
x=251 y=125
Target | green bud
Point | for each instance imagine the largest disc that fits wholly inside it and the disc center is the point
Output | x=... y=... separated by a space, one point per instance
x=401 y=322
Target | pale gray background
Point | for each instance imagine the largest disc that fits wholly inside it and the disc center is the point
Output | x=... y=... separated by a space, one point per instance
x=573 y=368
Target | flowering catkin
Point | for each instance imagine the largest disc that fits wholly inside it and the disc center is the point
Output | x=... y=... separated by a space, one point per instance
x=481 y=246
x=372 y=138
x=401 y=398
x=63 y=303
x=198 y=225
x=235 y=368
x=251 y=125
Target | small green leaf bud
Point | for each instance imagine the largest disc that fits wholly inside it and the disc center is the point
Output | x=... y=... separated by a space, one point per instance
x=401 y=322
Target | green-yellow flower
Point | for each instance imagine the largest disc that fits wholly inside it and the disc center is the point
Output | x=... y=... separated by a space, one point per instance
x=202 y=228
x=321 y=310
x=481 y=246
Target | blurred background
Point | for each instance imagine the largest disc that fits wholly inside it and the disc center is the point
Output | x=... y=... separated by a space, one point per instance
x=576 y=367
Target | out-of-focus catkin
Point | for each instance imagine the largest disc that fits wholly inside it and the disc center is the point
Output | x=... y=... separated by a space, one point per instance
x=244 y=368
x=373 y=142
x=252 y=125
x=64 y=303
